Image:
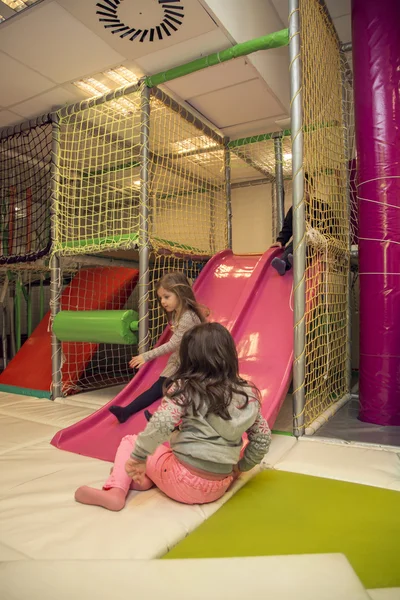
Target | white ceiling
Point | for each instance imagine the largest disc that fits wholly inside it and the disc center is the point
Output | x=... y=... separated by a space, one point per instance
x=45 y=48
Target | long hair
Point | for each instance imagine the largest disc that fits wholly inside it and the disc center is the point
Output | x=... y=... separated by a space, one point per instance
x=208 y=374
x=177 y=283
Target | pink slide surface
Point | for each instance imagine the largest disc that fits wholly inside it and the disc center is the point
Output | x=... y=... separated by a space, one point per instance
x=246 y=295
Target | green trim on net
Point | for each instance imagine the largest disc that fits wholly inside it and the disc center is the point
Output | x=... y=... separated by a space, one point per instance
x=277 y=432
x=127 y=237
x=14 y=389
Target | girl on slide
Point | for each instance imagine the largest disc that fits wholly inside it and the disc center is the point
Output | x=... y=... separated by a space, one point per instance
x=176 y=297
x=214 y=408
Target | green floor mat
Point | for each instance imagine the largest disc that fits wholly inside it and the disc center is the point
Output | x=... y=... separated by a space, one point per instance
x=287 y=513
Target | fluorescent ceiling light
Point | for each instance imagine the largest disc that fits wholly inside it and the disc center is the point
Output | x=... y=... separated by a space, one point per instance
x=18 y=5
x=95 y=88
x=196 y=143
x=122 y=76
x=89 y=89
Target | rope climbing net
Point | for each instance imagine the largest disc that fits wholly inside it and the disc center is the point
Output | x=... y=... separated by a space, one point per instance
x=327 y=213
x=25 y=174
x=104 y=152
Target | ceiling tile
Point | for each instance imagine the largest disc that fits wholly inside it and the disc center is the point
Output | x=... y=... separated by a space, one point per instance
x=143 y=14
x=45 y=103
x=213 y=78
x=237 y=104
x=8 y=118
x=198 y=46
x=281 y=7
x=251 y=128
x=62 y=48
x=338 y=8
x=343 y=28
x=22 y=82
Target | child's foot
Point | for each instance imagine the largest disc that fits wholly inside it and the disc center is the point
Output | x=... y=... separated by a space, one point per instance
x=290 y=259
x=112 y=499
x=120 y=413
x=279 y=265
x=148 y=415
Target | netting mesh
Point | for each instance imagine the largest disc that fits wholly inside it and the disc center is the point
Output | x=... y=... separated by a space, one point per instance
x=99 y=198
x=97 y=201
x=84 y=365
x=275 y=223
x=327 y=213
x=25 y=288
x=187 y=184
x=255 y=159
x=348 y=102
x=25 y=159
x=187 y=219
x=87 y=365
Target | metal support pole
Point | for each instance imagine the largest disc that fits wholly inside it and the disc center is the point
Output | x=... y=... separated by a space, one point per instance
x=3 y=304
x=55 y=295
x=347 y=47
x=228 y=189
x=144 y=242
x=249 y=183
x=55 y=271
x=348 y=205
x=17 y=312
x=11 y=318
x=280 y=192
x=185 y=114
x=299 y=238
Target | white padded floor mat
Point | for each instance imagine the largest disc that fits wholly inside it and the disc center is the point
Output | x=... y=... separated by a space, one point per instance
x=385 y=594
x=39 y=518
x=307 y=577
x=379 y=467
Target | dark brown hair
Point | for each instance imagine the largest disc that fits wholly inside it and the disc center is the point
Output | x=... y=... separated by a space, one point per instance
x=177 y=283
x=209 y=371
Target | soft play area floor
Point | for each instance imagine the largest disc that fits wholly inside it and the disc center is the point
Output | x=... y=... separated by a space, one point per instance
x=305 y=501
x=287 y=513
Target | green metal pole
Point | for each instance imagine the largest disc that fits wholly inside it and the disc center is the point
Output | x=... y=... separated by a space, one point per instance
x=17 y=302
x=266 y=42
x=28 y=299
x=41 y=298
x=262 y=137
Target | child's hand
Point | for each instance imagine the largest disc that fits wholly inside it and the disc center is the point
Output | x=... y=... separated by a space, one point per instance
x=236 y=472
x=137 y=362
x=135 y=469
x=277 y=245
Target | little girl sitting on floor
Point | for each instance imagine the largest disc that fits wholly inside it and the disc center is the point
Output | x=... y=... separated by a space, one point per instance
x=214 y=407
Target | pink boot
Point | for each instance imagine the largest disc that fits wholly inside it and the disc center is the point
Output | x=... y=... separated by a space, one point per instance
x=116 y=488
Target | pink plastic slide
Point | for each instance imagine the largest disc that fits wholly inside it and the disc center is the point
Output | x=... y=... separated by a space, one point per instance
x=246 y=295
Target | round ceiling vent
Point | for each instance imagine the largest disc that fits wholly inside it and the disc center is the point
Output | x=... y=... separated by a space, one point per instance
x=141 y=20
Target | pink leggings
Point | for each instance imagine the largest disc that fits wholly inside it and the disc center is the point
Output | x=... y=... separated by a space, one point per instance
x=165 y=471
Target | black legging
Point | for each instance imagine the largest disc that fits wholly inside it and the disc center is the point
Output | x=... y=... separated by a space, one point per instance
x=285 y=256
x=145 y=399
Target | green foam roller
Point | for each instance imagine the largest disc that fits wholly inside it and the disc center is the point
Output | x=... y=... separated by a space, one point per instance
x=96 y=326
